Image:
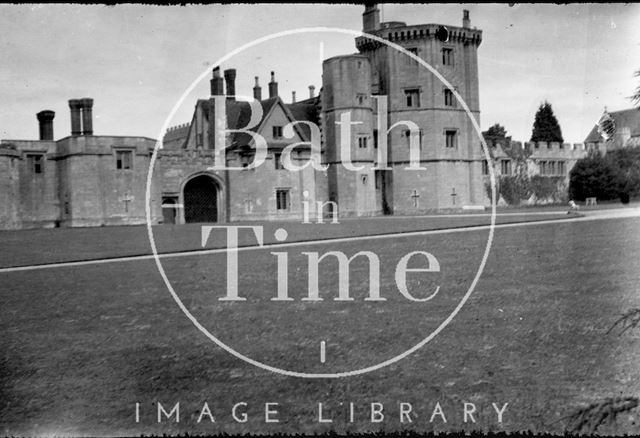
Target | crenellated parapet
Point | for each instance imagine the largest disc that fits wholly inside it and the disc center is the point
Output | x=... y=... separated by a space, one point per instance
x=398 y=32
x=538 y=158
x=547 y=149
x=177 y=127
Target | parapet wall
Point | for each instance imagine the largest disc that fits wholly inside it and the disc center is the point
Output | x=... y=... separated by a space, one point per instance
x=549 y=149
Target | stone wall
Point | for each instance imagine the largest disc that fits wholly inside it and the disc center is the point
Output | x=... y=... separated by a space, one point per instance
x=78 y=183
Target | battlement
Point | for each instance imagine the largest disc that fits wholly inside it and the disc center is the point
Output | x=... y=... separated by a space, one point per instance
x=176 y=127
x=398 y=32
x=543 y=148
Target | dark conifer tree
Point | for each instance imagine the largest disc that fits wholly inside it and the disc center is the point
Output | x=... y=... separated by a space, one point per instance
x=546 y=126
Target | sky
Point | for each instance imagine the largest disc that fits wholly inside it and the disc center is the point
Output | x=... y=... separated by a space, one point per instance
x=137 y=61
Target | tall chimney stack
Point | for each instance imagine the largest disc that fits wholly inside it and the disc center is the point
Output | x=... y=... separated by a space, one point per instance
x=74 y=106
x=273 y=86
x=371 y=18
x=293 y=97
x=466 y=22
x=312 y=91
x=217 y=83
x=45 y=119
x=230 y=82
x=87 y=116
x=257 y=91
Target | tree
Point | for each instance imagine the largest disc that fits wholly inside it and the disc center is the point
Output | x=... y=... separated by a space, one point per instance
x=615 y=175
x=496 y=133
x=593 y=176
x=546 y=126
x=636 y=96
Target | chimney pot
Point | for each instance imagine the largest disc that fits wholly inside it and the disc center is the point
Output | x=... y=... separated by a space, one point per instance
x=217 y=83
x=257 y=91
x=273 y=86
x=312 y=91
x=293 y=97
x=466 y=22
x=230 y=83
x=74 y=106
x=45 y=119
x=87 y=116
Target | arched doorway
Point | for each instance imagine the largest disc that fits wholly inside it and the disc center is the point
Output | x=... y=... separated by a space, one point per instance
x=200 y=200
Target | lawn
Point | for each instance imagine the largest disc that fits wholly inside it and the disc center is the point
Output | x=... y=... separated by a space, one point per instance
x=38 y=246
x=82 y=345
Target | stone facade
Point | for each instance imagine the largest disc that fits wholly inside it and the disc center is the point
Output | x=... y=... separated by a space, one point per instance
x=381 y=89
x=74 y=181
x=542 y=158
x=432 y=159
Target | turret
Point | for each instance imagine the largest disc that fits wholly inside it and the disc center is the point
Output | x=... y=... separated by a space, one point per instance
x=466 y=22
x=371 y=18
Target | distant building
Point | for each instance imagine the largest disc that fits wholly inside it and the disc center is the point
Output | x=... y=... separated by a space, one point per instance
x=542 y=158
x=614 y=130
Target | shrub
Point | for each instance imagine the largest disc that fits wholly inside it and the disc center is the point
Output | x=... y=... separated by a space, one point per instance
x=514 y=189
x=548 y=187
x=614 y=176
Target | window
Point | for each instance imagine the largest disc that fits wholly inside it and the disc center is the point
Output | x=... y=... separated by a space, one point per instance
x=552 y=167
x=447 y=56
x=407 y=134
x=543 y=167
x=449 y=99
x=561 y=168
x=362 y=142
x=451 y=138
x=364 y=179
x=36 y=162
x=361 y=99
x=485 y=167
x=409 y=60
x=277 y=132
x=124 y=160
x=282 y=199
x=277 y=160
x=412 y=97
x=505 y=168
x=375 y=139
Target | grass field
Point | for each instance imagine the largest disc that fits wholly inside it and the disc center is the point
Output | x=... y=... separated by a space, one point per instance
x=38 y=246
x=82 y=345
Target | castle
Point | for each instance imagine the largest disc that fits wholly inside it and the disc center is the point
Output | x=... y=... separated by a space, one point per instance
x=88 y=180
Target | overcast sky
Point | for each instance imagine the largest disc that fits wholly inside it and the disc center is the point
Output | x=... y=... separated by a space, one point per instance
x=136 y=61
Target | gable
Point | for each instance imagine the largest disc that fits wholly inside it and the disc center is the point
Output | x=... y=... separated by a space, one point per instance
x=277 y=118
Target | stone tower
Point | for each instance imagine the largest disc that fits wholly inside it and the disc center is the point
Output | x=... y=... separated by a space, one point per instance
x=346 y=95
x=450 y=149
